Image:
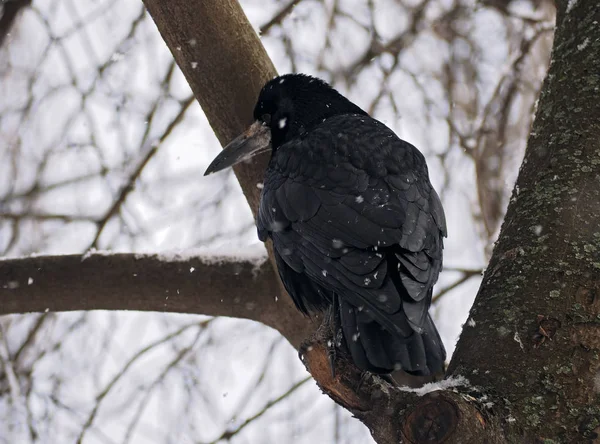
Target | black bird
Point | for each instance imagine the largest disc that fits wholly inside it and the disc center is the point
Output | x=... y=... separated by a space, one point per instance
x=355 y=223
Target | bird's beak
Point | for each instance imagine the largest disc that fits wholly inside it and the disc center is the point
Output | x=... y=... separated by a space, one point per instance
x=255 y=140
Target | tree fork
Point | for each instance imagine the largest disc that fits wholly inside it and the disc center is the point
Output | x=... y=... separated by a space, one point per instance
x=396 y=414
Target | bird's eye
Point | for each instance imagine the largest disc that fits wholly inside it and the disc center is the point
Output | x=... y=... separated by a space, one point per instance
x=266 y=118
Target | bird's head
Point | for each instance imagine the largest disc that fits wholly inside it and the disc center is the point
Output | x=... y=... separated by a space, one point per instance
x=287 y=107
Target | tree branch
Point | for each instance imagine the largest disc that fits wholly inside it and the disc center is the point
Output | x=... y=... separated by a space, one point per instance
x=279 y=17
x=213 y=286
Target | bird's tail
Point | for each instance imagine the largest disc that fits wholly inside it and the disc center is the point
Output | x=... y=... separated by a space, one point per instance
x=377 y=350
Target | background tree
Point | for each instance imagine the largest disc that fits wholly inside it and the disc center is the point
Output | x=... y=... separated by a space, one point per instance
x=492 y=104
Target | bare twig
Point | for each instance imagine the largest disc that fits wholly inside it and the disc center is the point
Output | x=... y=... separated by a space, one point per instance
x=109 y=386
x=467 y=274
x=133 y=177
x=228 y=434
x=279 y=17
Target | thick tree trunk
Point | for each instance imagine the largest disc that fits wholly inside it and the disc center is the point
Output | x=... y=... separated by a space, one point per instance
x=536 y=337
x=528 y=368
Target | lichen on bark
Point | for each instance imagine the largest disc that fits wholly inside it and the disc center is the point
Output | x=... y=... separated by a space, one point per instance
x=538 y=310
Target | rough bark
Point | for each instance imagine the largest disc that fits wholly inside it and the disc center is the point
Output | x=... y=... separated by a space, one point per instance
x=532 y=357
x=539 y=303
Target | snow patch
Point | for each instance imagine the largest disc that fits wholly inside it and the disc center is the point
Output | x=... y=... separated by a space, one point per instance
x=282 y=123
x=94 y=252
x=471 y=322
x=30 y=281
x=445 y=384
x=255 y=254
x=571 y=5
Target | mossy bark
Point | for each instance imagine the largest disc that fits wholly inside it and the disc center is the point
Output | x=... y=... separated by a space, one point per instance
x=536 y=341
